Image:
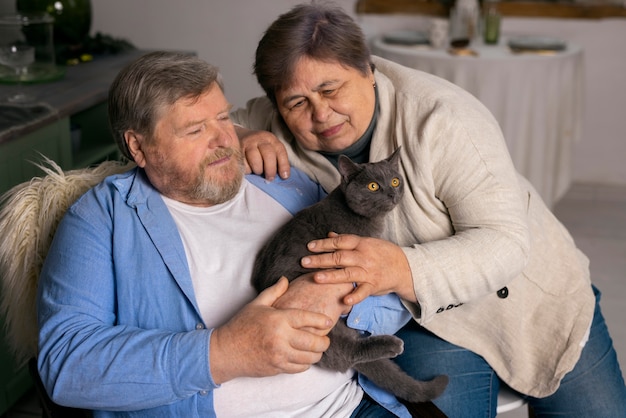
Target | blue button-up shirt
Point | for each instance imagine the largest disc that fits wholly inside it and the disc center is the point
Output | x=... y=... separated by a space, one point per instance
x=119 y=326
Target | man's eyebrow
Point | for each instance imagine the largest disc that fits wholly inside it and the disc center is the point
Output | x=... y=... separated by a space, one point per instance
x=180 y=130
x=191 y=123
x=226 y=110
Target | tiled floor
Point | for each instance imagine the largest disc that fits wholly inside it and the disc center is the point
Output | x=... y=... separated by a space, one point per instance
x=596 y=217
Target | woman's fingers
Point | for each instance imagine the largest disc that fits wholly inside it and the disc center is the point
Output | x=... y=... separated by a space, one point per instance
x=375 y=266
x=263 y=153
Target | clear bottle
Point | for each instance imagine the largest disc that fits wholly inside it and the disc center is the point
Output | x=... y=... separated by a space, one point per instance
x=464 y=17
x=491 y=22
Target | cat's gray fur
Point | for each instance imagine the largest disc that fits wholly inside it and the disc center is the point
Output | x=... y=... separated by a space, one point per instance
x=351 y=208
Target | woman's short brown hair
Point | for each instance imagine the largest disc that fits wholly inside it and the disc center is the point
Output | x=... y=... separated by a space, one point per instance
x=320 y=31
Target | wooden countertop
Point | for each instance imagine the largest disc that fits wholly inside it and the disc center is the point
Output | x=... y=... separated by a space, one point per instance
x=82 y=87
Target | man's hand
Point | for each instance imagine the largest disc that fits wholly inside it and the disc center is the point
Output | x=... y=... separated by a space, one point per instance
x=264 y=341
x=376 y=266
x=263 y=153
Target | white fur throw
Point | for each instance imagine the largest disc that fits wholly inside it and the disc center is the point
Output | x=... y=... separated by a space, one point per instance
x=29 y=217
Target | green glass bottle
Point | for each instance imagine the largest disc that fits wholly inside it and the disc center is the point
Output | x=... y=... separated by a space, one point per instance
x=491 y=22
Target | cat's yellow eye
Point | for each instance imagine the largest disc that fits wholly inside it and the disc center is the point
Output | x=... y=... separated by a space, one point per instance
x=395 y=182
x=373 y=186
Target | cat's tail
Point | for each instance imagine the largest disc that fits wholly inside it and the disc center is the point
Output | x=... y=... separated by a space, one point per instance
x=401 y=384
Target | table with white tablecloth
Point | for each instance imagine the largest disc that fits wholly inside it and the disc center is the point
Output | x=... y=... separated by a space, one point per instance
x=537 y=98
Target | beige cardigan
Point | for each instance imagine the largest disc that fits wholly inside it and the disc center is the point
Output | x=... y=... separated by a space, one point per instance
x=469 y=226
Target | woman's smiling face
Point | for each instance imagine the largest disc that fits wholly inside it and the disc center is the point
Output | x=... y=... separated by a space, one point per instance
x=327 y=106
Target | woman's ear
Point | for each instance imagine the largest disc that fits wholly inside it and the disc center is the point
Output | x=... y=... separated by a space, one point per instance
x=134 y=142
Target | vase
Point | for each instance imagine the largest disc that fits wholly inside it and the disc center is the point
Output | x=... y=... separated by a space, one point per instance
x=72 y=18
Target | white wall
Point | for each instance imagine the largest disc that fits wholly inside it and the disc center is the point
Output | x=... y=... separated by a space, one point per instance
x=225 y=33
x=601 y=155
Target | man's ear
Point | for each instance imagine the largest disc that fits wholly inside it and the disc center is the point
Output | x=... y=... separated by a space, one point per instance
x=134 y=142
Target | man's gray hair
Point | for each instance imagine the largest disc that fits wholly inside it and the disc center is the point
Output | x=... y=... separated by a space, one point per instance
x=149 y=85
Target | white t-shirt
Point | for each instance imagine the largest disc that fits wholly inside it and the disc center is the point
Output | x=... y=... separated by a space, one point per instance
x=221 y=243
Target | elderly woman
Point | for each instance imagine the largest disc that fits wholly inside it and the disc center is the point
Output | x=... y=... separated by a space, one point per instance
x=498 y=290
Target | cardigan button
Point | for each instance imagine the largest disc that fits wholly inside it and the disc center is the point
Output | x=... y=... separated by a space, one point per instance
x=503 y=293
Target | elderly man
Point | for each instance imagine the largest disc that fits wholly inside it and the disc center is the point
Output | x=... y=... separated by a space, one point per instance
x=145 y=302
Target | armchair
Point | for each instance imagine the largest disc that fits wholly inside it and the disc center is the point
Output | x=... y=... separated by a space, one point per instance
x=29 y=215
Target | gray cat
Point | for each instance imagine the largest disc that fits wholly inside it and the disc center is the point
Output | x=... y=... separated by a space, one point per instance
x=357 y=206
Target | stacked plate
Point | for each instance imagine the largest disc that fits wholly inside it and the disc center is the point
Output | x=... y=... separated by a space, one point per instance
x=536 y=44
x=406 y=37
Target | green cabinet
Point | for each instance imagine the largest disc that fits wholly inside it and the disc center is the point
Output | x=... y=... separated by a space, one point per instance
x=17 y=157
x=94 y=143
x=72 y=142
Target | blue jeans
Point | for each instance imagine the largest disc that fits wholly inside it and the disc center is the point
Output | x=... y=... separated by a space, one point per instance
x=368 y=408
x=594 y=388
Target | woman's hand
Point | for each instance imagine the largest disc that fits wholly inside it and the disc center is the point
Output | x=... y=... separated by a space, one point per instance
x=263 y=153
x=376 y=266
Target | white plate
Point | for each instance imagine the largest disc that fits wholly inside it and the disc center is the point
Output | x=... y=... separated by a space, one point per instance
x=406 y=37
x=536 y=43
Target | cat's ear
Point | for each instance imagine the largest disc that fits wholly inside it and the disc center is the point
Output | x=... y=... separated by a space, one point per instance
x=395 y=156
x=346 y=167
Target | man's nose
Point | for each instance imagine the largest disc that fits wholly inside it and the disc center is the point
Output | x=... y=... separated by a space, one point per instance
x=222 y=136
